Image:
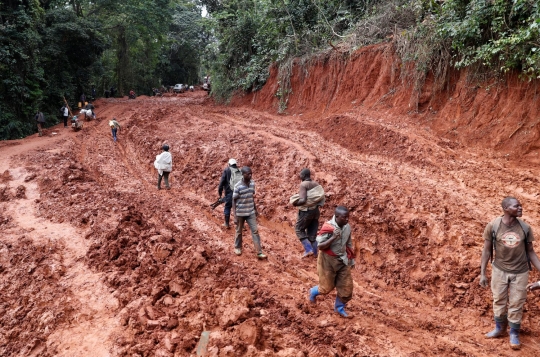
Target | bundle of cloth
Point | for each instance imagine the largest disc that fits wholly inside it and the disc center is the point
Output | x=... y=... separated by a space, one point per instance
x=87 y=113
x=315 y=197
x=163 y=162
x=327 y=230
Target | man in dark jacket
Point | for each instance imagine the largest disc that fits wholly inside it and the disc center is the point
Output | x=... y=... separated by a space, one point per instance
x=230 y=177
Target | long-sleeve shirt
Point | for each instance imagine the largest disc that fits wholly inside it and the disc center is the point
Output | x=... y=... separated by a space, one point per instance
x=40 y=117
x=114 y=124
x=339 y=246
x=224 y=182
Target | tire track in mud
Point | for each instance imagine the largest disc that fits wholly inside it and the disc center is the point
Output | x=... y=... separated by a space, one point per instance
x=89 y=323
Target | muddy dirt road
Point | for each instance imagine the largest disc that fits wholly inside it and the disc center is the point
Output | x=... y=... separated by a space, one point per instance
x=94 y=260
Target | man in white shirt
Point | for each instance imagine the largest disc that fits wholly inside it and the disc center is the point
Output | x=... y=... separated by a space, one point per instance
x=163 y=164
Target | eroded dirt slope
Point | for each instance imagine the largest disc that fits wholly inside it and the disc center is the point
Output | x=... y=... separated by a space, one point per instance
x=92 y=254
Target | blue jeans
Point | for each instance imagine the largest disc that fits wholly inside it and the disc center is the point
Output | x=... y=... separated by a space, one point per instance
x=114 y=130
x=252 y=223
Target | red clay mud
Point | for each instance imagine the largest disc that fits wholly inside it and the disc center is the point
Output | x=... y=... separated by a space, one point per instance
x=92 y=254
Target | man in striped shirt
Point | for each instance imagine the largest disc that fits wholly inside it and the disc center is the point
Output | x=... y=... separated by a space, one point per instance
x=244 y=210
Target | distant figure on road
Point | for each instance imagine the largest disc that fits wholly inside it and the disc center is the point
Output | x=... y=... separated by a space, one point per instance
x=65 y=114
x=229 y=178
x=40 y=119
x=114 y=128
x=308 y=200
x=335 y=261
x=244 y=210
x=93 y=93
x=83 y=100
x=163 y=164
x=90 y=107
x=511 y=239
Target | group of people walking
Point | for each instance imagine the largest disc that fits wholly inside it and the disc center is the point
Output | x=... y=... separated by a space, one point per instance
x=508 y=241
x=333 y=241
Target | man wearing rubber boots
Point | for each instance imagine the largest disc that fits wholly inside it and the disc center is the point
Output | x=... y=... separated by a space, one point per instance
x=511 y=240
x=335 y=260
x=310 y=196
x=229 y=178
x=244 y=210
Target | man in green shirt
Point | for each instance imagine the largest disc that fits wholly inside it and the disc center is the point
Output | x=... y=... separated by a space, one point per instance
x=511 y=239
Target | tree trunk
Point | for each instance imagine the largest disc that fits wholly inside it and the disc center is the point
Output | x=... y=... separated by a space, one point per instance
x=122 y=64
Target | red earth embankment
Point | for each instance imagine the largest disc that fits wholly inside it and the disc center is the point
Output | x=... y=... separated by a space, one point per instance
x=502 y=114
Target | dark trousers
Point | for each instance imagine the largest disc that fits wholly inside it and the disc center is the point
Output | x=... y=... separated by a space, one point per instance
x=166 y=177
x=307 y=224
x=228 y=204
x=114 y=131
x=65 y=120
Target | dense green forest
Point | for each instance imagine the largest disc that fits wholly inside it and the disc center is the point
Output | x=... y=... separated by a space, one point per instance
x=50 y=49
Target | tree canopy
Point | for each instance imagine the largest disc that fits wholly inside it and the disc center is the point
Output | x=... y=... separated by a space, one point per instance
x=59 y=48
x=50 y=49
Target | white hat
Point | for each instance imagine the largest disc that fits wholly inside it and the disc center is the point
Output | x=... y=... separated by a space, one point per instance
x=232 y=162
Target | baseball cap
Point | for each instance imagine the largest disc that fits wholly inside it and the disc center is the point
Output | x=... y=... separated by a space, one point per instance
x=232 y=162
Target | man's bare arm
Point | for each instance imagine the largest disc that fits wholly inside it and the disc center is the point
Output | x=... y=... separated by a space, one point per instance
x=532 y=256
x=486 y=253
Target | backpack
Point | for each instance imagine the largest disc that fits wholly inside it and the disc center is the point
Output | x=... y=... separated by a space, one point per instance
x=495 y=227
x=236 y=176
x=62 y=111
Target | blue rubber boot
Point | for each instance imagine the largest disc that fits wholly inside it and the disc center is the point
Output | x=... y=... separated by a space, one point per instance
x=313 y=292
x=514 y=338
x=500 y=329
x=314 y=246
x=339 y=307
x=307 y=247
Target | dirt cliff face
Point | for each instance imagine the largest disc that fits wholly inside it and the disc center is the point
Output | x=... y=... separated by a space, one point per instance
x=501 y=113
x=95 y=260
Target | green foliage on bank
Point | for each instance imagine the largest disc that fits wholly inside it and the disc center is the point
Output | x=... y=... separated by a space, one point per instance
x=501 y=35
x=50 y=49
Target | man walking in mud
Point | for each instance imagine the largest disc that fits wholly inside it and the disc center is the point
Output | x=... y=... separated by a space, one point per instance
x=308 y=200
x=336 y=259
x=511 y=240
x=163 y=164
x=244 y=210
x=229 y=178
